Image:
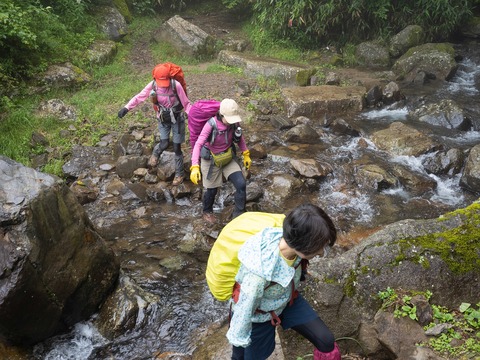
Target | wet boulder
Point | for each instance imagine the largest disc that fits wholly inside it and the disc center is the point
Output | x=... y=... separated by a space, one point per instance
x=281 y=188
x=303 y=134
x=444 y=162
x=127 y=308
x=374 y=177
x=445 y=113
x=437 y=59
x=416 y=183
x=400 y=139
x=391 y=93
x=126 y=165
x=471 y=173
x=84 y=159
x=310 y=168
x=56 y=269
x=342 y=127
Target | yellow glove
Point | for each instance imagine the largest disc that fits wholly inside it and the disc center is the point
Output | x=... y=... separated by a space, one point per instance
x=246 y=159
x=195 y=176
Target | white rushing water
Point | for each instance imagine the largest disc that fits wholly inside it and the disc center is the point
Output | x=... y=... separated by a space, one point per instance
x=76 y=345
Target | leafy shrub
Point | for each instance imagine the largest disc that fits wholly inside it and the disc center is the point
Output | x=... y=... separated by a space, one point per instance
x=34 y=33
x=309 y=22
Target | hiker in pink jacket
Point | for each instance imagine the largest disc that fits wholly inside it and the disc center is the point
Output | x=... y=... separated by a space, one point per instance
x=215 y=147
x=169 y=100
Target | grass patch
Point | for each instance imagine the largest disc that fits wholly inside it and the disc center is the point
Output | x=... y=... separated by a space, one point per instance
x=265 y=44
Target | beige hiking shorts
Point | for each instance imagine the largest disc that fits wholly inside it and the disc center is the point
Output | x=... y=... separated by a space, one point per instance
x=217 y=174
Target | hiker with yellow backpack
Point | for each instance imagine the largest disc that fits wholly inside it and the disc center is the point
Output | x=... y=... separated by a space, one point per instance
x=168 y=92
x=257 y=262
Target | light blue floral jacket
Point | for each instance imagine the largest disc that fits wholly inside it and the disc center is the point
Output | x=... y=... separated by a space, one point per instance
x=261 y=264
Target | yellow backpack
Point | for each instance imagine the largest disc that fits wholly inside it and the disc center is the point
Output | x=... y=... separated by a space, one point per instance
x=223 y=263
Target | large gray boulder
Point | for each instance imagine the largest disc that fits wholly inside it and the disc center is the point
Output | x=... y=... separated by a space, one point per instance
x=400 y=139
x=372 y=55
x=437 y=60
x=471 y=173
x=56 y=270
x=411 y=36
x=187 y=38
x=286 y=73
x=440 y=255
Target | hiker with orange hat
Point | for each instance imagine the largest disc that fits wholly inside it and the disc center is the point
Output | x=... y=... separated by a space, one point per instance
x=169 y=98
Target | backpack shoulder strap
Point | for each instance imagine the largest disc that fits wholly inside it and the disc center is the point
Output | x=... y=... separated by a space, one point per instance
x=213 y=123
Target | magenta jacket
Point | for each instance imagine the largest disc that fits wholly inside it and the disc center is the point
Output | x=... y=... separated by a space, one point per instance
x=167 y=101
x=219 y=144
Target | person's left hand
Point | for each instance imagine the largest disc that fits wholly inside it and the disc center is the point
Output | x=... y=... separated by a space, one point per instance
x=246 y=159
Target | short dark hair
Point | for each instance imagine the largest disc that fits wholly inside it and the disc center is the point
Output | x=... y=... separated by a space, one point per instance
x=308 y=229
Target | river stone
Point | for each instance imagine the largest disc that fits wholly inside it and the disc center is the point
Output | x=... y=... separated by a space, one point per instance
x=400 y=139
x=311 y=168
x=444 y=162
x=315 y=102
x=374 y=177
x=471 y=173
x=416 y=183
x=84 y=158
x=127 y=308
x=303 y=134
x=446 y=113
x=56 y=269
x=436 y=59
x=281 y=188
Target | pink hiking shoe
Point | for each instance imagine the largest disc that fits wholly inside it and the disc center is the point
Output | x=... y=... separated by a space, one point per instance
x=332 y=355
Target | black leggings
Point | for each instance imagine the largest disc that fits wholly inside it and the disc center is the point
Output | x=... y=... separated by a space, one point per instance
x=240 y=185
x=318 y=334
x=263 y=339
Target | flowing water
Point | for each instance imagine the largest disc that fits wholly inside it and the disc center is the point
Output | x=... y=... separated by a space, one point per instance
x=146 y=234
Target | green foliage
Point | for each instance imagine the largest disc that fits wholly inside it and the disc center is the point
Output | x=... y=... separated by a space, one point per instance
x=35 y=33
x=462 y=335
x=265 y=43
x=151 y=7
x=308 y=22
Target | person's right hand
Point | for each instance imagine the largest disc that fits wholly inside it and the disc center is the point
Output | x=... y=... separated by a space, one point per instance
x=122 y=112
x=195 y=176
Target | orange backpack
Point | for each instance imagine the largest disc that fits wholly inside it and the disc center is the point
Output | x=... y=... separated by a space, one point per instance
x=176 y=73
